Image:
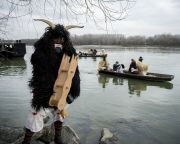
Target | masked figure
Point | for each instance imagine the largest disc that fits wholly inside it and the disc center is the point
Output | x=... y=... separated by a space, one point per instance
x=46 y=59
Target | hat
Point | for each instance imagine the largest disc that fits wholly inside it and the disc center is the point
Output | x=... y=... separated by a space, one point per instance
x=140 y=58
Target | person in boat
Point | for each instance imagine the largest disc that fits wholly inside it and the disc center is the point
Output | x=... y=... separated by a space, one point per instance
x=45 y=62
x=121 y=69
x=90 y=51
x=94 y=52
x=116 y=66
x=140 y=59
x=103 y=52
x=103 y=64
x=137 y=67
x=133 y=68
x=142 y=68
x=80 y=53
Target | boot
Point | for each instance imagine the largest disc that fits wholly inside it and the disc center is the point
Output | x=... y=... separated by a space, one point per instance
x=57 y=128
x=28 y=136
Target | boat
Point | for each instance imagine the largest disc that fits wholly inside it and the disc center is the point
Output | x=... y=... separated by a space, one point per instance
x=133 y=84
x=149 y=76
x=12 y=49
x=92 y=55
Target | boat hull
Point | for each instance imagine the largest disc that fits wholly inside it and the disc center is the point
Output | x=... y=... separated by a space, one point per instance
x=148 y=77
x=90 y=55
x=12 y=50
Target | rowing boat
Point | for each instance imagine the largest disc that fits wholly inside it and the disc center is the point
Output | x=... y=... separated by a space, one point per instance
x=149 y=76
x=92 y=55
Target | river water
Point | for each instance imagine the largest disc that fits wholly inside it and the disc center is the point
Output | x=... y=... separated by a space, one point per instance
x=135 y=111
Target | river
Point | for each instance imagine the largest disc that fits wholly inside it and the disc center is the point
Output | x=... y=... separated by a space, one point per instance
x=135 y=111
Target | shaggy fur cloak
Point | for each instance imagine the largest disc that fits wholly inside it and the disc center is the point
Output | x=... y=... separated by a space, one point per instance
x=46 y=61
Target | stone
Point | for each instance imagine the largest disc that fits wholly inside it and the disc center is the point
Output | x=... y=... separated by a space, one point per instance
x=108 y=138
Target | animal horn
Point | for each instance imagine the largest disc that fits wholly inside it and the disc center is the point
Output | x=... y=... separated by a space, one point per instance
x=52 y=25
x=72 y=26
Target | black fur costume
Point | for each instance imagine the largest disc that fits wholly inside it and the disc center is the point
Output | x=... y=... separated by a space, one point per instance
x=46 y=61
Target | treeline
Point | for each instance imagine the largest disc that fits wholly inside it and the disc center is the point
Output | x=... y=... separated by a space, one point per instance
x=106 y=39
x=118 y=39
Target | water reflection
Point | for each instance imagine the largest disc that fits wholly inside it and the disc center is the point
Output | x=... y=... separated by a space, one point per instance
x=93 y=58
x=12 y=67
x=135 y=86
x=105 y=79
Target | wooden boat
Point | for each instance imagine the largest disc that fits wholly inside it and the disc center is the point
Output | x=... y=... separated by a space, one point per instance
x=149 y=77
x=92 y=55
x=9 y=50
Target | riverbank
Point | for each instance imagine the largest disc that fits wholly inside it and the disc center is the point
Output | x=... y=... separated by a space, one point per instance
x=15 y=136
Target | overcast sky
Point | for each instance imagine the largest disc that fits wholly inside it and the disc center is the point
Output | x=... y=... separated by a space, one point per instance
x=144 y=18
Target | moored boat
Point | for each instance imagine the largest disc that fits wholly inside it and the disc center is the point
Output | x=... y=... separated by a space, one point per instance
x=92 y=55
x=149 y=76
x=14 y=49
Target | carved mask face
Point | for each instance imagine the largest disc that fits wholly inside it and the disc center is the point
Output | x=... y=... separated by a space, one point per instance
x=59 y=40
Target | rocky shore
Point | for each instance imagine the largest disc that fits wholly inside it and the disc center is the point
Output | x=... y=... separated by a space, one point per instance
x=15 y=135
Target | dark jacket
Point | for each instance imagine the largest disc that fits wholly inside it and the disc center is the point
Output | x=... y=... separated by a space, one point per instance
x=132 y=65
x=116 y=66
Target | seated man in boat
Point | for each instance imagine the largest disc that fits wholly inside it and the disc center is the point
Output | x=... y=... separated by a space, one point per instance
x=80 y=53
x=90 y=51
x=121 y=70
x=133 y=68
x=94 y=52
x=103 y=64
x=137 y=67
x=116 y=66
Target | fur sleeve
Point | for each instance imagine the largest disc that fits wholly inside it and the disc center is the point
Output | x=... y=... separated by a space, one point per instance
x=42 y=75
x=42 y=80
x=75 y=88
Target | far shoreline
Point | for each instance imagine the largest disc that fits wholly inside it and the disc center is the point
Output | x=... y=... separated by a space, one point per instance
x=121 y=46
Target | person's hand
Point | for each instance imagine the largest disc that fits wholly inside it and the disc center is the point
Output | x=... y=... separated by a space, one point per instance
x=64 y=113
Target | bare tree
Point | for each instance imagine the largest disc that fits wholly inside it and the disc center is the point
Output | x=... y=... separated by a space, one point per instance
x=96 y=10
x=12 y=9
